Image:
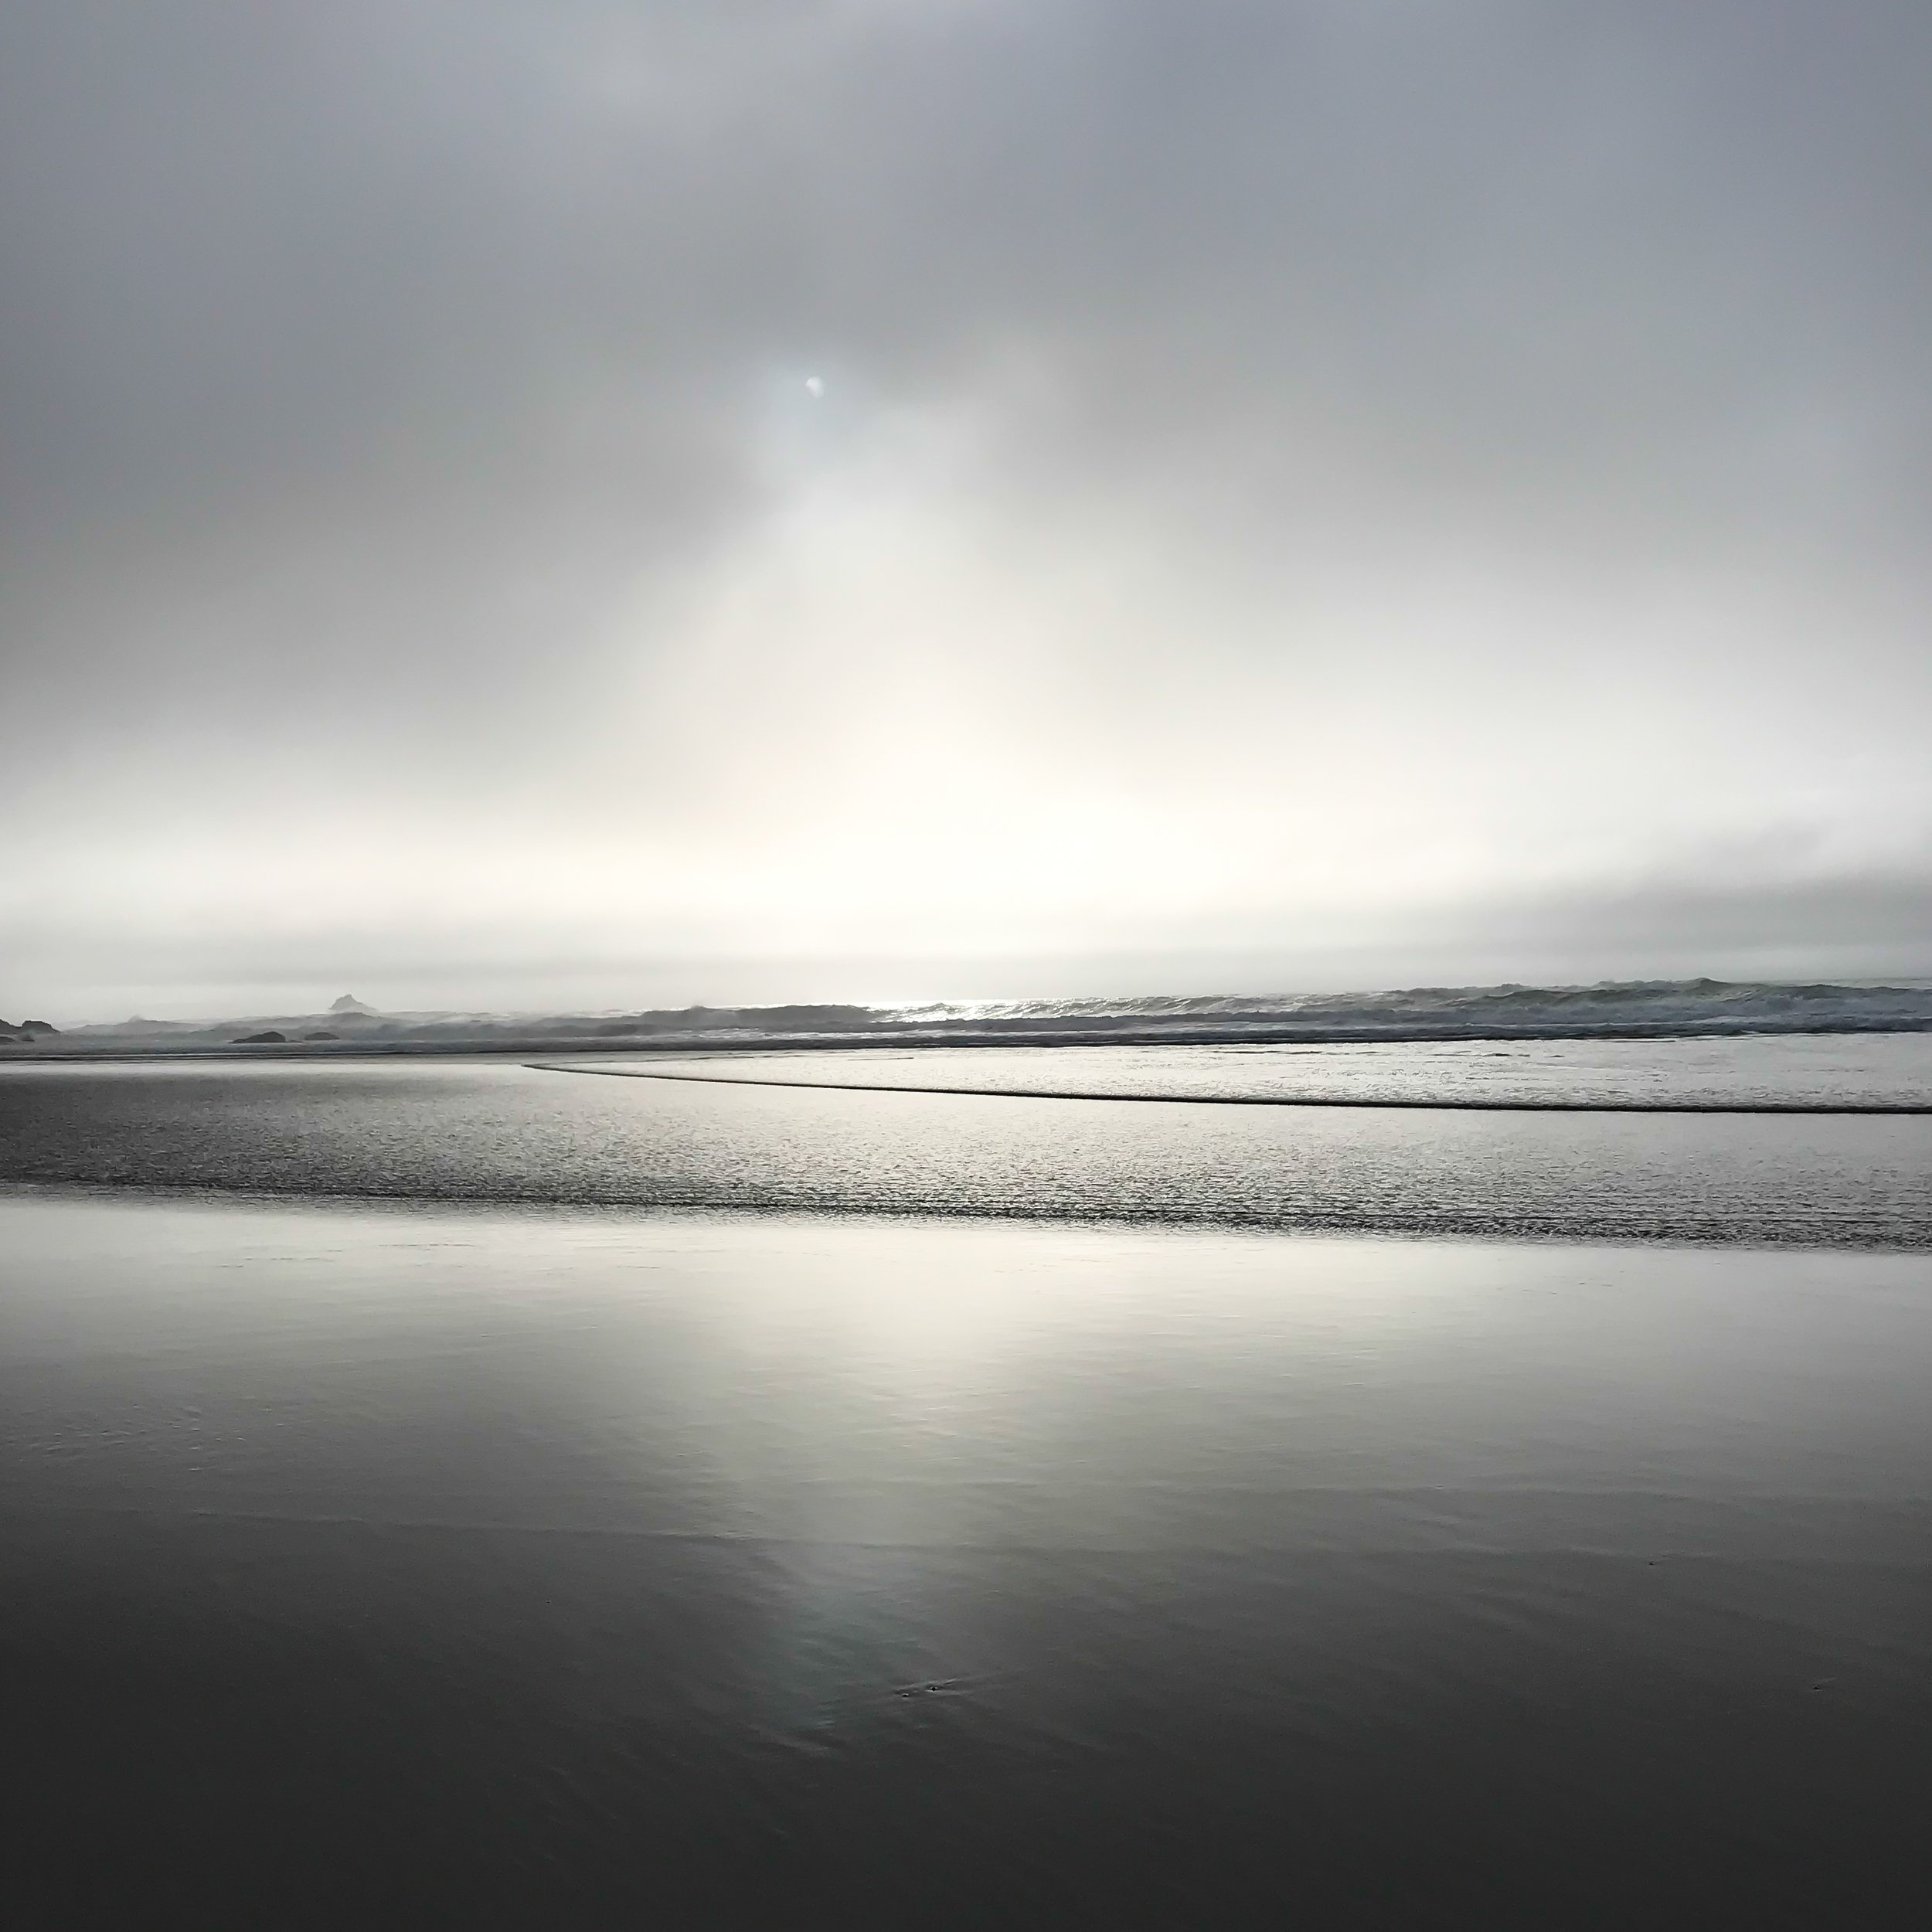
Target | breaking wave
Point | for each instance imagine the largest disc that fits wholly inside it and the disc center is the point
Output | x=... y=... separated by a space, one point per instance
x=1642 y=1007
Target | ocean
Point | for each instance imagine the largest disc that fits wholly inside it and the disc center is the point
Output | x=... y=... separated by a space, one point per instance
x=461 y=1491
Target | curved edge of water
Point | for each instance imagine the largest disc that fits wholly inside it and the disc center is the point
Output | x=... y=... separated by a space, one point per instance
x=1858 y=1107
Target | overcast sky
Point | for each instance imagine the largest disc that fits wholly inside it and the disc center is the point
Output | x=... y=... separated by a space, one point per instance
x=580 y=502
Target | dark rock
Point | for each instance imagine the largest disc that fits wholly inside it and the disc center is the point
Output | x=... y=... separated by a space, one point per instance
x=314 y=1036
x=270 y=1039
x=37 y=1026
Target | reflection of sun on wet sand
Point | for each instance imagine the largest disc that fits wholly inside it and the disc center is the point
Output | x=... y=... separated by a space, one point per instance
x=675 y=1556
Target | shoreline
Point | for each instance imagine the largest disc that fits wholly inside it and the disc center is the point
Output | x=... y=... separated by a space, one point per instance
x=1855 y=1107
x=642 y=1214
x=1260 y=1034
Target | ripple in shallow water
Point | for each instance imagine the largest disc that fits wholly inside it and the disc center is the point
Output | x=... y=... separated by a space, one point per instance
x=492 y=1131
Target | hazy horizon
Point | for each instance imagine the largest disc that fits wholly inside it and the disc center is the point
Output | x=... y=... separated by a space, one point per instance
x=599 y=505
x=298 y=1004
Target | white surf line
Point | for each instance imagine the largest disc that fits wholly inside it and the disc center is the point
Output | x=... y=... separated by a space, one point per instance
x=1904 y=1108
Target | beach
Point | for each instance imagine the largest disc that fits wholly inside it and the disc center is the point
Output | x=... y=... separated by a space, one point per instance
x=510 y=1559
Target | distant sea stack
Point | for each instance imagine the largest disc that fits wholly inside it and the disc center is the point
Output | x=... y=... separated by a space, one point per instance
x=26 y=1030
x=271 y=1038
x=350 y=1007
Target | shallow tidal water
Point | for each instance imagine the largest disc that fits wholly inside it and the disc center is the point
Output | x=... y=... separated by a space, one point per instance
x=492 y=1130
x=1768 y=1070
x=524 y=1560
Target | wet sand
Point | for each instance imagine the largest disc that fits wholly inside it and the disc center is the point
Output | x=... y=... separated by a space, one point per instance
x=488 y=1566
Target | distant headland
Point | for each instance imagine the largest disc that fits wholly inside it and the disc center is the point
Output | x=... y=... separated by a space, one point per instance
x=1622 y=1009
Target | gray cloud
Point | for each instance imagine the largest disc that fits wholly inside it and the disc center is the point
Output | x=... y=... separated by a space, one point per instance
x=1284 y=470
